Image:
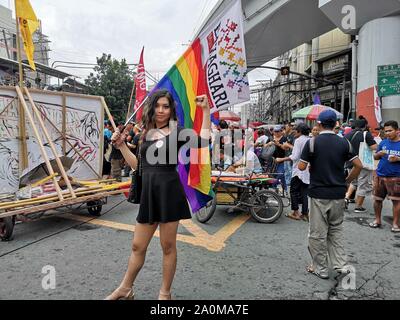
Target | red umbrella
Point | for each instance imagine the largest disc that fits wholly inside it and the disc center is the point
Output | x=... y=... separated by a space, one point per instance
x=228 y=115
x=255 y=124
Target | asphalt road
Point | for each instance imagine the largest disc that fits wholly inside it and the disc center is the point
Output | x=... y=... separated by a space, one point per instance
x=231 y=257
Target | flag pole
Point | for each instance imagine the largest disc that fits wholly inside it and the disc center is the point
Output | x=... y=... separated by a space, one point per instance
x=136 y=111
x=21 y=70
x=130 y=100
x=21 y=111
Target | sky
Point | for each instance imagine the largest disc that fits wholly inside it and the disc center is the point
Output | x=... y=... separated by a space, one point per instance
x=81 y=30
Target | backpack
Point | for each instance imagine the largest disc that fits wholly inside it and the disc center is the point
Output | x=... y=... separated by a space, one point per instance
x=267 y=152
x=312 y=146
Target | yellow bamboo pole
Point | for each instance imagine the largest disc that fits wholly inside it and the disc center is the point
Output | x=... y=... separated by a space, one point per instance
x=50 y=141
x=59 y=204
x=28 y=202
x=39 y=141
x=21 y=115
x=36 y=184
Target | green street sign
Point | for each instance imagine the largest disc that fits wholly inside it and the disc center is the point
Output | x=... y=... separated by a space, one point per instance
x=389 y=80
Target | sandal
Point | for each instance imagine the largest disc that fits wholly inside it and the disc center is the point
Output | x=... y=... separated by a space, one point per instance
x=122 y=294
x=293 y=216
x=310 y=269
x=164 y=296
x=305 y=217
x=396 y=229
x=375 y=225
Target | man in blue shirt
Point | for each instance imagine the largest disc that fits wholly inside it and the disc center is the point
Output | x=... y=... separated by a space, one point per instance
x=387 y=180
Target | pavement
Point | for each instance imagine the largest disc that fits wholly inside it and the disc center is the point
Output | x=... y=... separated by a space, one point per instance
x=231 y=257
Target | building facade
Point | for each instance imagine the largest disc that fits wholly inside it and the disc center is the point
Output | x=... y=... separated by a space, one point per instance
x=322 y=68
x=8 y=53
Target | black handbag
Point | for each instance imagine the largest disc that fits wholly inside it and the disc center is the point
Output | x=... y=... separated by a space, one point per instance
x=135 y=191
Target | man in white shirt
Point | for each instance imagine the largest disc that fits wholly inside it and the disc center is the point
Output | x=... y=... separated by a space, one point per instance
x=262 y=139
x=300 y=179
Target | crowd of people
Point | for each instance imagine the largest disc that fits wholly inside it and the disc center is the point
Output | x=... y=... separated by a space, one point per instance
x=327 y=168
x=324 y=167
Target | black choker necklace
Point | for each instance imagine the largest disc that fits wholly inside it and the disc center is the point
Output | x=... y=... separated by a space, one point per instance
x=166 y=126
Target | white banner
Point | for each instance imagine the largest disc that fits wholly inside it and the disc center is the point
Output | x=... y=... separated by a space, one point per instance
x=84 y=130
x=224 y=54
x=377 y=106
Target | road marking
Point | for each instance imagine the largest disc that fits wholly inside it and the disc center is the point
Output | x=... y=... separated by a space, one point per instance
x=199 y=238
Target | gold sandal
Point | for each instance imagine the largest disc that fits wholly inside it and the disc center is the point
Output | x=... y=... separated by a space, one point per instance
x=164 y=296
x=118 y=295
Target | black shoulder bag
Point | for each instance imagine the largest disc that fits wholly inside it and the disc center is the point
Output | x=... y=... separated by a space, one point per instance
x=135 y=190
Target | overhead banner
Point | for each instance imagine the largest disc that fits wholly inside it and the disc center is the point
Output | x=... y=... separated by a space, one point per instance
x=224 y=55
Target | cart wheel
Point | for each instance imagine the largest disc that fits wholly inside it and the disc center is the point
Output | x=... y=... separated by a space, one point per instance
x=95 y=207
x=267 y=206
x=206 y=213
x=6 y=228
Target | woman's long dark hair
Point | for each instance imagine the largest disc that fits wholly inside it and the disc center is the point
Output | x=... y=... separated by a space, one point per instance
x=149 y=113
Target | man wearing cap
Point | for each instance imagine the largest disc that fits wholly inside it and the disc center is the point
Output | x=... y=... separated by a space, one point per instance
x=326 y=155
x=364 y=180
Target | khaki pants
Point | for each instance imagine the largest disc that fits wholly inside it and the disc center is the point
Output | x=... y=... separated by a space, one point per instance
x=116 y=168
x=326 y=234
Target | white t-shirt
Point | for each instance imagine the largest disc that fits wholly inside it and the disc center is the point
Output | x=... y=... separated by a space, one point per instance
x=262 y=140
x=252 y=162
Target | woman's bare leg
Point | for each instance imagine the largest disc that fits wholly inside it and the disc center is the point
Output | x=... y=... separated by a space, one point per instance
x=141 y=240
x=168 y=234
x=143 y=235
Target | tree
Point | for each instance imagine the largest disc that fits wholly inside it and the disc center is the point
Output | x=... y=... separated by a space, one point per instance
x=114 y=81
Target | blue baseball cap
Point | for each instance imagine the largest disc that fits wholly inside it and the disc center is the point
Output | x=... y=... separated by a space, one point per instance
x=278 y=128
x=327 y=116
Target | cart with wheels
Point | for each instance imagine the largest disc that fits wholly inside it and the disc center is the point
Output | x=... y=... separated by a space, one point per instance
x=254 y=194
x=90 y=198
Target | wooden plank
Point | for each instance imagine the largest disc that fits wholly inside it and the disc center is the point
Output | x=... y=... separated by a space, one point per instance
x=60 y=204
x=50 y=197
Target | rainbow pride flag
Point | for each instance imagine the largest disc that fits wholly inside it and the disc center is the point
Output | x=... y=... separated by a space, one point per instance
x=185 y=81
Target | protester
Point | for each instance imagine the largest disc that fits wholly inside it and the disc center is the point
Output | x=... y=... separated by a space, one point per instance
x=279 y=141
x=163 y=201
x=288 y=146
x=315 y=131
x=300 y=179
x=116 y=160
x=107 y=144
x=262 y=139
x=326 y=155
x=248 y=162
x=364 y=180
x=387 y=180
x=261 y=142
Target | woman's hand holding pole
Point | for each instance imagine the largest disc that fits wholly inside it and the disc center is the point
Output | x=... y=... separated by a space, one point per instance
x=118 y=141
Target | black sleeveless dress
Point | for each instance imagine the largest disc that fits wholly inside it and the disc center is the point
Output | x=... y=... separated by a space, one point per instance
x=163 y=198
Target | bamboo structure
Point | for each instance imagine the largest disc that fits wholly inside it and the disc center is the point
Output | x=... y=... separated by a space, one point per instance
x=21 y=119
x=50 y=141
x=39 y=140
x=58 y=204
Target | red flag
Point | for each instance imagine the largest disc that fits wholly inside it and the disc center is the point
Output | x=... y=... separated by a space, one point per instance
x=140 y=83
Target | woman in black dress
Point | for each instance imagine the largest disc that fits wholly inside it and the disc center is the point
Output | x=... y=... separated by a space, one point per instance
x=163 y=202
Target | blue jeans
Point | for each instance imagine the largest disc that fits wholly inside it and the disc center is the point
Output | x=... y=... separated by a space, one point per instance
x=288 y=172
x=280 y=170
